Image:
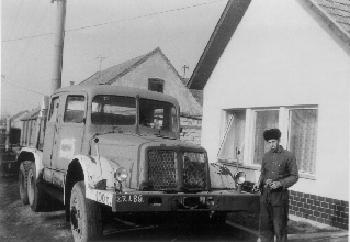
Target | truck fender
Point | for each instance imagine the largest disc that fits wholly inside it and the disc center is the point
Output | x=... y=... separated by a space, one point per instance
x=34 y=155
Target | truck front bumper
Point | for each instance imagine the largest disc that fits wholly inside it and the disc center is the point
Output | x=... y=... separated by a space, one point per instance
x=159 y=202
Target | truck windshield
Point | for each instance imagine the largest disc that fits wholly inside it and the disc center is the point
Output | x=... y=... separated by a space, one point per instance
x=114 y=110
x=158 y=115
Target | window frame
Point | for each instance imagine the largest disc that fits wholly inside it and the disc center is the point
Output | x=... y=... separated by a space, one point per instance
x=156 y=81
x=284 y=124
x=66 y=105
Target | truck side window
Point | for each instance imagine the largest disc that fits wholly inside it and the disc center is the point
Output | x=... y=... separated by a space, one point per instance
x=53 y=110
x=74 y=111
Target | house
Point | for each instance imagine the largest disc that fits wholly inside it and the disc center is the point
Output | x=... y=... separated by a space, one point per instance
x=282 y=64
x=153 y=71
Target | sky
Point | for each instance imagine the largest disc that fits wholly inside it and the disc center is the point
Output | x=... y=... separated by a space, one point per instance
x=117 y=30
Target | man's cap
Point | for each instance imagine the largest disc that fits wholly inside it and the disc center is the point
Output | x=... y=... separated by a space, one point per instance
x=272 y=134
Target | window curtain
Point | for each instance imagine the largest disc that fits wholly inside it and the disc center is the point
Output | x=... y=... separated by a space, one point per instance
x=303 y=138
x=267 y=119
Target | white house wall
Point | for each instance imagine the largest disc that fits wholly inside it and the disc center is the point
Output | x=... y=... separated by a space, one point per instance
x=280 y=56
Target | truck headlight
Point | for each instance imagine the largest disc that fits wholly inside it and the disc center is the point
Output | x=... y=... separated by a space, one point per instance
x=121 y=174
x=239 y=178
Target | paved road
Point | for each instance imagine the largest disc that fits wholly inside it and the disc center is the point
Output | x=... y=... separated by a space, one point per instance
x=19 y=223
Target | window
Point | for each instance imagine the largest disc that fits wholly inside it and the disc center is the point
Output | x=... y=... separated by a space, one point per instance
x=232 y=149
x=74 y=112
x=264 y=119
x=302 y=138
x=158 y=115
x=53 y=110
x=242 y=134
x=113 y=110
x=155 y=84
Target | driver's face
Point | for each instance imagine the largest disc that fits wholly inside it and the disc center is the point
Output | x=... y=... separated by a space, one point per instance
x=273 y=144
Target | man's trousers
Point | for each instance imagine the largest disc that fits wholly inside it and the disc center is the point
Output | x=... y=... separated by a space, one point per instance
x=273 y=214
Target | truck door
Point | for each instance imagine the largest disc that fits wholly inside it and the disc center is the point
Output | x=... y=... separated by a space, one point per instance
x=49 y=140
x=71 y=131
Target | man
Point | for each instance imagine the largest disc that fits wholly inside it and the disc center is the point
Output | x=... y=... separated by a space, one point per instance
x=278 y=172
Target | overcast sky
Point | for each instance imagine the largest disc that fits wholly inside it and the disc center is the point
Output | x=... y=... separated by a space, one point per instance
x=181 y=28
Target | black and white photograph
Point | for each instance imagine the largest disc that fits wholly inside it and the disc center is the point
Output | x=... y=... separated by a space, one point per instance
x=175 y=120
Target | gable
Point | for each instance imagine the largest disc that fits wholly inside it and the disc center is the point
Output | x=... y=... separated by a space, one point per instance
x=156 y=67
x=332 y=15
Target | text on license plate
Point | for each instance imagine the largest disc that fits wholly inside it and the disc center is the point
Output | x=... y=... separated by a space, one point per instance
x=129 y=199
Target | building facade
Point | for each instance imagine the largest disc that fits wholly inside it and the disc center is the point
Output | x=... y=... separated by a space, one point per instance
x=286 y=65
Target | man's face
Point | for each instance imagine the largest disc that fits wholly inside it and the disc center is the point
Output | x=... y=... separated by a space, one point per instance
x=273 y=144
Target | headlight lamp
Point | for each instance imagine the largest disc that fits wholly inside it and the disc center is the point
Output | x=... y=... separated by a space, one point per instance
x=121 y=174
x=240 y=178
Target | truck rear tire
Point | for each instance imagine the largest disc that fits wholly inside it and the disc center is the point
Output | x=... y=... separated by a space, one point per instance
x=22 y=182
x=37 y=197
x=85 y=215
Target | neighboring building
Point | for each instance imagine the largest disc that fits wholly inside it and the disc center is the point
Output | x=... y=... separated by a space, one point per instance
x=282 y=64
x=153 y=71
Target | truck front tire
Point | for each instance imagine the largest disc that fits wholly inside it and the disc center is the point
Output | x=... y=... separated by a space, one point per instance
x=22 y=181
x=37 y=197
x=85 y=215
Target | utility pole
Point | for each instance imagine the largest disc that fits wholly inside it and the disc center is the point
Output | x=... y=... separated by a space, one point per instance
x=184 y=67
x=59 y=44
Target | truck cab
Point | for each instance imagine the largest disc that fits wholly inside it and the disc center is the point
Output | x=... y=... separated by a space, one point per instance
x=118 y=148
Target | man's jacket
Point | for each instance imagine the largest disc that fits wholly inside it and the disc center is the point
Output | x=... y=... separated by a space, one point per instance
x=278 y=165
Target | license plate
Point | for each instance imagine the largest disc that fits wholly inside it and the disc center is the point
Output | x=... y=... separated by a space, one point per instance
x=129 y=199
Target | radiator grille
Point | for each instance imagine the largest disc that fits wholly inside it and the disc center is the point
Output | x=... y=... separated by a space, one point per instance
x=194 y=171
x=162 y=169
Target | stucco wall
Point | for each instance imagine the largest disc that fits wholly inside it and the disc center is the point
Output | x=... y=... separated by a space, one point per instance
x=280 y=56
x=156 y=67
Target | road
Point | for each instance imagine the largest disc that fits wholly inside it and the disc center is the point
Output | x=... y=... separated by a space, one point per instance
x=19 y=223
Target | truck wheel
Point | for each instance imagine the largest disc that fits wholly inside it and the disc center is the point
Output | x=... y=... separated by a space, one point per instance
x=85 y=215
x=22 y=181
x=36 y=196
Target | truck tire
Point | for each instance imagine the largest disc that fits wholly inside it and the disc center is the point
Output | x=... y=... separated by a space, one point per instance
x=37 y=197
x=22 y=182
x=85 y=215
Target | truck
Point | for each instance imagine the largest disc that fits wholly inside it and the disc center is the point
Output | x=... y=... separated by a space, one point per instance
x=107 y=151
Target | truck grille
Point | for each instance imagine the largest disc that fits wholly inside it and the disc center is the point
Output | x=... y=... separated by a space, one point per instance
x=194 y=171
x=163 y=170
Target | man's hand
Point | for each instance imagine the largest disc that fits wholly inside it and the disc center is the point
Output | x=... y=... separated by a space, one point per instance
x=255 y=188
x=275 y=184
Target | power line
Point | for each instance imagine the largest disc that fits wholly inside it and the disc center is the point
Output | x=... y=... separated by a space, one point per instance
x=24 y=88
x=114 y=21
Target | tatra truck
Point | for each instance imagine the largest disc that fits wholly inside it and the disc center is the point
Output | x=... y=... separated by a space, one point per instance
x=106 y=151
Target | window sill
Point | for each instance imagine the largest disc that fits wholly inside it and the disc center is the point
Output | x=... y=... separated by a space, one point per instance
x=307 y=176
x=240 y=165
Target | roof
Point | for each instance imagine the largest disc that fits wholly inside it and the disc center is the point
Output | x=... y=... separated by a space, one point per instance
x=109 y=75
x=93 y=90
x=332 y=15
x=224 y=29
x=338 y=12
